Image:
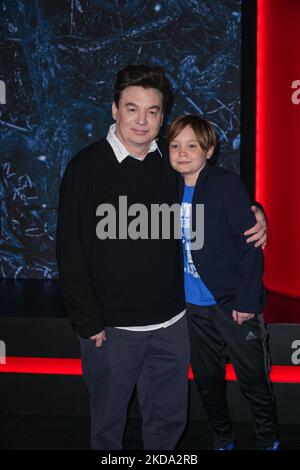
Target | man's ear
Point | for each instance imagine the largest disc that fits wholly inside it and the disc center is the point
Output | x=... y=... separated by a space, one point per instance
x=162 y=119
x=210 y=153
x=114 y=110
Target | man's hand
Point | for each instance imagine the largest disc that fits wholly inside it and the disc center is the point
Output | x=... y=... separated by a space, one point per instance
x=258 y=233
x=99 y=338
x=240 y=317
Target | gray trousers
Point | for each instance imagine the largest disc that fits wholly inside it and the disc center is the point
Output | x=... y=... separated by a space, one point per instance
x=157 y=363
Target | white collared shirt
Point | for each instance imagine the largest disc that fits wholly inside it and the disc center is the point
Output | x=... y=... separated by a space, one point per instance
x=119 y=148
x=121 y=153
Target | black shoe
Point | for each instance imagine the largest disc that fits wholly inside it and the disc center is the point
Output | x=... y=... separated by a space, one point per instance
x=230 y=446
x=274 y=446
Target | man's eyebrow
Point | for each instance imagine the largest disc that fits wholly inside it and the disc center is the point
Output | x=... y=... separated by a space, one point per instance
x=155 y=106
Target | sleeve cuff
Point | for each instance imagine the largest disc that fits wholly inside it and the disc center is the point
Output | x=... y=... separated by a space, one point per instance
x=91 y=328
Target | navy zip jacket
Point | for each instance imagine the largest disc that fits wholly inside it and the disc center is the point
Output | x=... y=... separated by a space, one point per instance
x=230 y=268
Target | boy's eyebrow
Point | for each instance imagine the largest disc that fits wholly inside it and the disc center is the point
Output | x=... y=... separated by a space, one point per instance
x=192 y=140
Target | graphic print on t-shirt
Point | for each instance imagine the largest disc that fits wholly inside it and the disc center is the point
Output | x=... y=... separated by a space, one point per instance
x=196 y=291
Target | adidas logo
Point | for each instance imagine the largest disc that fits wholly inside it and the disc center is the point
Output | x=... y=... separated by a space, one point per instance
x=250 y=336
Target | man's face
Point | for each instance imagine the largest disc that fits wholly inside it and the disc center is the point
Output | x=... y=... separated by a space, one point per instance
x=138 y=117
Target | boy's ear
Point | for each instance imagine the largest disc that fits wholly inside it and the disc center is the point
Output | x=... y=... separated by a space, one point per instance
x=210 y=153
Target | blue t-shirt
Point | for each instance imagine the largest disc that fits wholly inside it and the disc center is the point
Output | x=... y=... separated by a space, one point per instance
x=196 y=291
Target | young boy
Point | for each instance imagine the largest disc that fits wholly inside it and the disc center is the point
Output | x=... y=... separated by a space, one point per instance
x=223 y=285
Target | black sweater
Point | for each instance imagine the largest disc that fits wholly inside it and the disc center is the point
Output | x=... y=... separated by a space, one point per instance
x=115 y=282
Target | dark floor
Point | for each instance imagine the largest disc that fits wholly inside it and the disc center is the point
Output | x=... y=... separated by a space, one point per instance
x=66 y=432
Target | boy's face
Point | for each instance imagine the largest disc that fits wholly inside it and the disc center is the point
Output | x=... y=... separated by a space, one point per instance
x=138 y=117
x=186 y=154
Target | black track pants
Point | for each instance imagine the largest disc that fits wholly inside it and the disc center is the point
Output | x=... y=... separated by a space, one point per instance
x=214 y=335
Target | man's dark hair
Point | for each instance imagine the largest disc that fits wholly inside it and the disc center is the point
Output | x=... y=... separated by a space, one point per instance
x=146 y=77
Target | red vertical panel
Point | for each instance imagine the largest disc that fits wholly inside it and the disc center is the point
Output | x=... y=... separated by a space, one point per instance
x=278 y=140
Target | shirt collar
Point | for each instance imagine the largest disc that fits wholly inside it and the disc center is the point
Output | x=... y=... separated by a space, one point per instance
x=119 y=148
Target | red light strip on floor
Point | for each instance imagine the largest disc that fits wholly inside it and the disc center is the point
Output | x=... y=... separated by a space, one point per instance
x=279 y=374
x=54 y=366
x=41 y=365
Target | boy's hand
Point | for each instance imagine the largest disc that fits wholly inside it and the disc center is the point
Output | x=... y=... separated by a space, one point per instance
x=99 y=338
x=240 y=317
x=259 y=231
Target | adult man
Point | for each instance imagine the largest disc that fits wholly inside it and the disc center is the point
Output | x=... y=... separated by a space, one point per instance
x=125 y=296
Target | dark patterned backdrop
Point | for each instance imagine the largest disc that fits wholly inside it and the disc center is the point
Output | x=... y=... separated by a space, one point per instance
x=58 y=60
